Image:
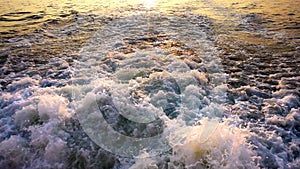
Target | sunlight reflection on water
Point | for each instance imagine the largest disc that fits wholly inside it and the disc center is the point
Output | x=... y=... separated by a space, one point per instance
x=14 y=13
x=149 y=3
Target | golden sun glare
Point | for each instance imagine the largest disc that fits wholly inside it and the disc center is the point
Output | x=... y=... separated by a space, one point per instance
x=149 y=3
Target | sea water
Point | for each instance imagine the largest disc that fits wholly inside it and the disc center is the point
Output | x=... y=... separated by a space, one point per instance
x=188 y=84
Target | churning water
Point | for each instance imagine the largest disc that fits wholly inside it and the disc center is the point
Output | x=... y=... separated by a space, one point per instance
x=150 y=84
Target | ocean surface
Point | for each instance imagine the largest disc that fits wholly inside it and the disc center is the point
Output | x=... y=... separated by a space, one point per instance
x=150 y=84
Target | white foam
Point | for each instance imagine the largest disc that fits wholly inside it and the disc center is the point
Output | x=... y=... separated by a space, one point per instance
x=26 y=116
x=52 y=107
x=22 y=83
x=209 y=145
x=14 y=152
x=56 y=151
x=43 y=114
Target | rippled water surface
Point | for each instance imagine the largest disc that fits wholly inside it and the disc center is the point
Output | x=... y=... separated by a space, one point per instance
x=150 y=84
